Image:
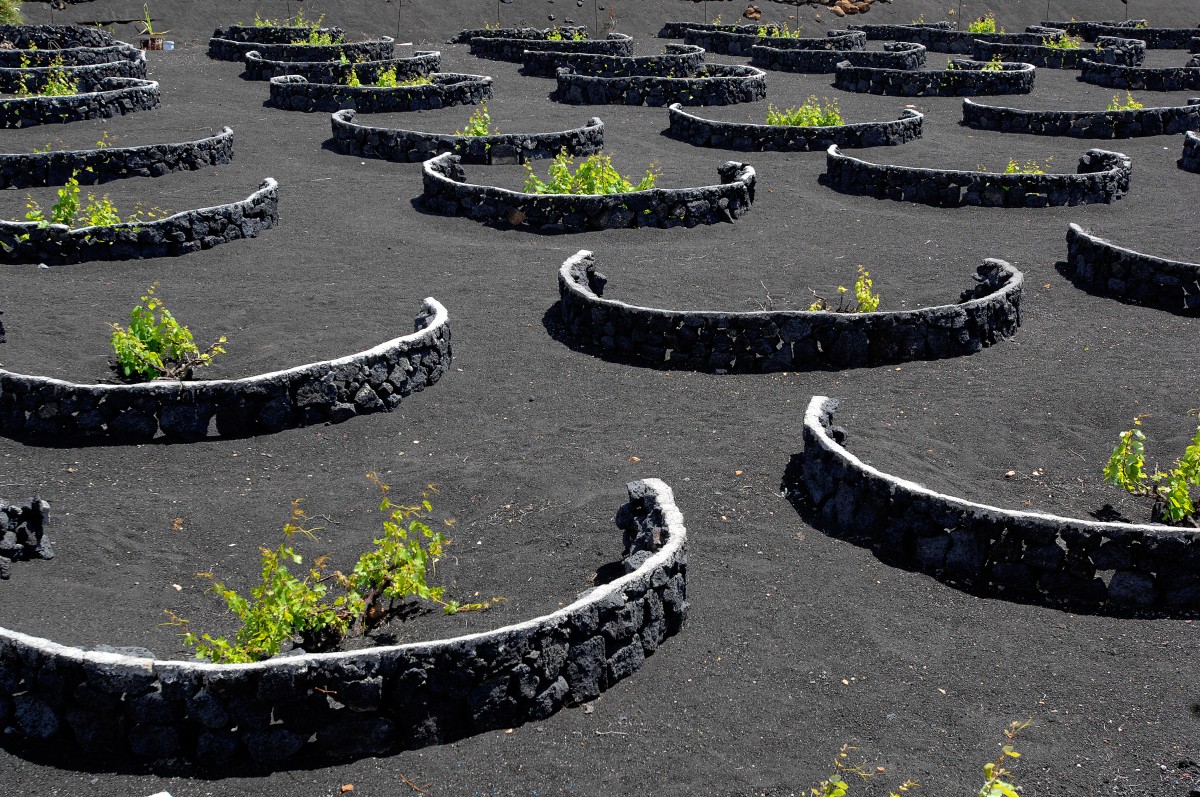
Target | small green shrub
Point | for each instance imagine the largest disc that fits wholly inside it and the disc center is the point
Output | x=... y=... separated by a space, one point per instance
x=1063 y=41
x=1028 y=167
x=595 y=175
x=480 y=124
x=556 y=35
x=985 y=24
x=1172 y=490
x=810 y=114
x=837 y=785
x=865 y=299
x=98 y=212
x=1130 y=103
x=158 y=347
x=283 y=607
x=780 y=32
x=58 y=83
x=62 y=211
x=10 y=12
x=997 y=775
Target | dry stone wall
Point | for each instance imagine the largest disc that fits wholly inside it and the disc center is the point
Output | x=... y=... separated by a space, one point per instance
x=223 y=49
x=129 y=708
x=411 y=146
x=274 y=34
x=421 y=63
x=1140 y=78
x=964 y=78
x=1125 y=52
x=1085 y=124
x=89 y=166
x=676 y=60
x=943 y=37
x=504 y=49
x=23 y=533
x=178 y=234
x=1078 y=565
x=377 y=380
x=1190 y=160
x=115 y=96
x=713 y=84
x=747 y=137
x=88 y=78
x=71 y=56
x=537 y=34
x=55 y=37
x=1103 y=177
x=294 y=93
x=447 y=192
x=1097 y=266
x=741 y=44
x=676 y=30
x=895 y=55
x=787 y=340
x=1155 y=38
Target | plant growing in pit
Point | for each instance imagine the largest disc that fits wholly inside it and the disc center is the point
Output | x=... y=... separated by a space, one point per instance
x=98 y=212
x=480 y=124
x=58 y=83
x=985 y=24
x=283 y=607
x=10 y=12
x=1130 y=103
x=158 y=346
x=1064 y=41
x=595 y=175
x=837 y=783
x=1170 y=490
x=865 y=299
x=780 y=31
x=556 y=35
x=811 y=113
x=997 y=774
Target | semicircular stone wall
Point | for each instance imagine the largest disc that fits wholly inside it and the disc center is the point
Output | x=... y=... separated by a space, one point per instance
x=88 y=77
x=72 y=56
x=722 y=42
x=375 y=380
x=294 y=93
x=505 y=49
x=760 y=342
x=1085 y=124
x=55 y=37
x=115 y=96
x=677 y=59
x=1079 y=565
x=537 y=34
x=273 y=34
x=91 y=166
x=714 y=84
x=1102 y=177
x=411 y=146
x=446 y=192
x=178 y=234
x=942 y=37
x=1190 y=160
x=748 y=137
x=1127 y=52
x=964 y=77
x=421 y=63
x=676 y=30
x=1097 y=266
x=392 y=698
x=371 y=50
x=1155 y=38
x=1140 y=78
x=895 y=55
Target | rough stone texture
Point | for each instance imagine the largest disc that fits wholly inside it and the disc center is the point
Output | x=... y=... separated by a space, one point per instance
x=1079 y=565
x=1085 y=124
x=1116 y=76
x=115 y=96
x=677 y=59
x=375 y=380
x=505 y=49
x=895 y=55
x=791 y=340
x=1155 y=38
x=965 y=78
x=88 y=77
x=279 y=712
x=447 y=193
x=55 y=37
x=677 y=30
x=178 y=234
x=1102 y=176
x=272 y=34
x=748 y=137
x=223 y=49
x=724 y=42
x=294 y=93
x=25 y=170
x=1097 y=266
x=421 y=63
x=1190 y=160
x=72 y=56
x=411 y=146
x=23 y=534
x=943 y=37
x=1126 y=52
x=713 y=84
x=465 y=36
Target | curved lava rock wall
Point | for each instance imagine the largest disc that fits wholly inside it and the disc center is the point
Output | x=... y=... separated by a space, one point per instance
x=1140 y=78
x=965 y=78
x=88 y=77
x=748 y=137
x=895 y=55
x=714 y=84
x=115 y=96
x=1126 y=52
x=421 y=63
x=1190 y=160
x=723 y=42
x=379 y=49
x=388 y=698
x=1077 y=564
x=1097 y=266
x=758 y=342
x=678 y=59
x=504 y=49
x=294 y=93
x=1085 y=124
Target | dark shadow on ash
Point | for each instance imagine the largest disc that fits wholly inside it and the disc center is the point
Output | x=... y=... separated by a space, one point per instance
x=1064 y=270
x=1107 y=514
x=798 y=497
